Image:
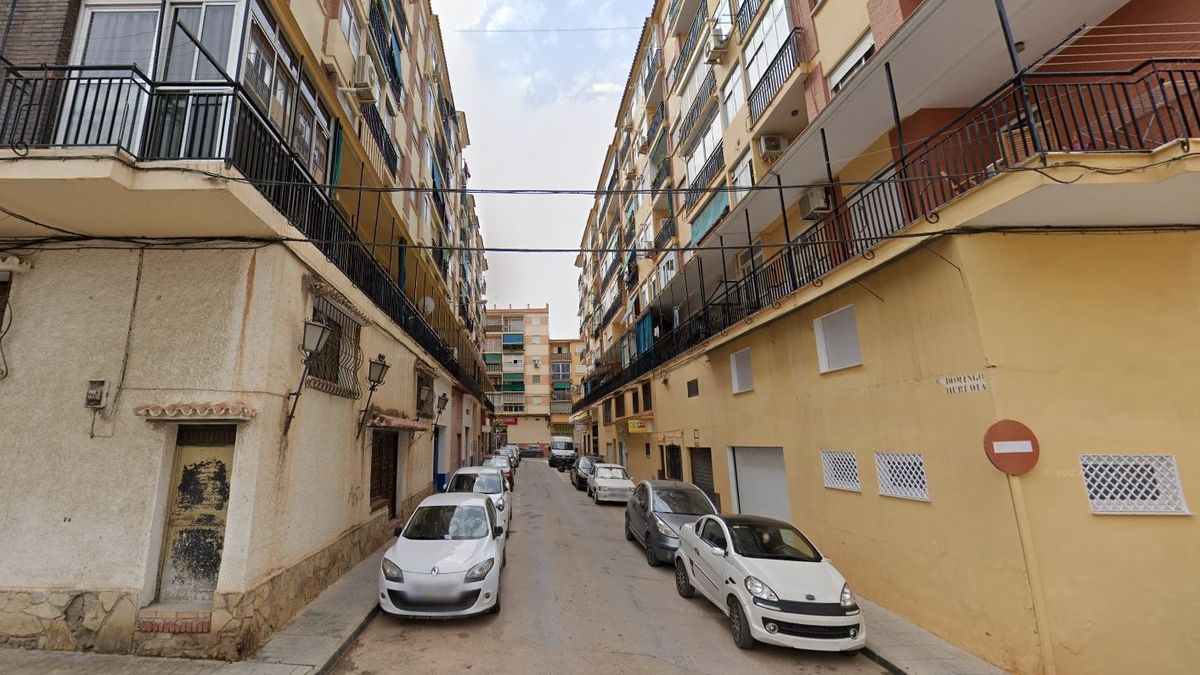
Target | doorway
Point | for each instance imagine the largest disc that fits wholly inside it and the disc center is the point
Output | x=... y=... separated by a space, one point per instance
x=674 y=463
x=197 y=511
x=384 y=445
x=702 y=473
x=762 y=484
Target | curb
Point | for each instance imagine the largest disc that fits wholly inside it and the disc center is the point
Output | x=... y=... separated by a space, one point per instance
x=338 y=653
x=883 y=661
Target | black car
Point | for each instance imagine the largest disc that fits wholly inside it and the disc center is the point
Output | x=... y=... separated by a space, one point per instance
x=582 y=468
x=656 y=512
x=531 y=450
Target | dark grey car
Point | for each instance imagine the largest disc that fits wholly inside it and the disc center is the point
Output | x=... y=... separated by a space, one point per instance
x=656 y=511
x=582 y=468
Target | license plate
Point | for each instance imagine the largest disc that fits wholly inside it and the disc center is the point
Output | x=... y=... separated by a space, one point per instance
x=432 y=592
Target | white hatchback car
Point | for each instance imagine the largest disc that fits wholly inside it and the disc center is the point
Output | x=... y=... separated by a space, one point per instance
x=446 y=561
x=486 y=480
x=609 y=483
x=771 y=581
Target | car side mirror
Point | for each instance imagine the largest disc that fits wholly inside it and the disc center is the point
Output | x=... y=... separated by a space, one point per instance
x=497 y=531
x=398 y=531
x=718 y=551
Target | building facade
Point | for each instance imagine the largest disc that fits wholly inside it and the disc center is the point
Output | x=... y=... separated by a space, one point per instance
x=837 y=244
x=517 y=353
x=565 y=378
x=235 y=342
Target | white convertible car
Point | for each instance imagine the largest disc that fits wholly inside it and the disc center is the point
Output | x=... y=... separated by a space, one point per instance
x=770 y=580
x=446 y=561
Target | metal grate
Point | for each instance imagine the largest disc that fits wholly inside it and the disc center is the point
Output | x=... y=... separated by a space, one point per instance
x=841 y=470
x=1132 y=484
x=335 y=367
x=206 y=435
x=901 y=474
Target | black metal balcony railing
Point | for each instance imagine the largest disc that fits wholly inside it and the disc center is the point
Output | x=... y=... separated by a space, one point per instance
x=747 y=10
x=120 y=107
x=662 y=175
x=665 y=232
x=689 y=43
x=652 y=64
x=381 y=32
x=631 y=272
x=1130 y=111
x=610 y=270
x=704 y=97
x=705 y=177
x=786 y=60
x=383 y=140
x=656 y=122
x=610 y=313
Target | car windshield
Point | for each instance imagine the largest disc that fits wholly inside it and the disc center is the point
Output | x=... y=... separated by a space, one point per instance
x=585 y=464
x=501 y=462
x=772 y=542
x=448 y=522
x=562 y=445
x=683 y=502
x=485 y=483
x=611 y=472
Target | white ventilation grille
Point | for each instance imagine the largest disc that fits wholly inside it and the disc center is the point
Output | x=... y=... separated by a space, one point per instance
x=841 y=470
x=837 y=340
x=1132 y=484
x=902 y=474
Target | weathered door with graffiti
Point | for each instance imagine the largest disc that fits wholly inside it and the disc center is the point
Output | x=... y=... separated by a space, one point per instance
x=196 y=515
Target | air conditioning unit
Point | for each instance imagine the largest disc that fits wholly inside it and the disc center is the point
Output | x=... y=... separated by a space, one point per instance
x=536 y=362
x=814 y=204
x=771 y=146
x=718 y=39
x=365 y=79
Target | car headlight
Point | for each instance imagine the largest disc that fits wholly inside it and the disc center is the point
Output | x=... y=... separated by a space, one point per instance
x=760 y=590
x=391 y=571
x=664 y=529
x=500 y=504
x=478 y=572
x=848 y=599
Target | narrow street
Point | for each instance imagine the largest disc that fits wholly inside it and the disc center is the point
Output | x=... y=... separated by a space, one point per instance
x=578 y=598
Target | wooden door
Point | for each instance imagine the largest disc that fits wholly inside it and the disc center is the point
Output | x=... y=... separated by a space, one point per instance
x=383 y=469
x=197 y=511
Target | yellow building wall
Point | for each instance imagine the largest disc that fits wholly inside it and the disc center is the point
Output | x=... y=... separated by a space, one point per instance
x=840 y=24
x=1093 y=345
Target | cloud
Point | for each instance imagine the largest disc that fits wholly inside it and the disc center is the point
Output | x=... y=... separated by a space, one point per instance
x=605 y=88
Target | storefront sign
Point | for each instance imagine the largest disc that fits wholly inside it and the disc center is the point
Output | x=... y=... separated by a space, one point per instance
x=640 y=426
x=507 y=421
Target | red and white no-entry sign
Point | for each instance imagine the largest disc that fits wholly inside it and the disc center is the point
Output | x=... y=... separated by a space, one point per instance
x=1011 y=447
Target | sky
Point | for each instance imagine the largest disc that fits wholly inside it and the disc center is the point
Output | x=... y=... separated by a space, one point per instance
x=540 y=109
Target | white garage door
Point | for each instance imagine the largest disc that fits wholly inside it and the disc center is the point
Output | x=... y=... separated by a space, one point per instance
x=762 y=486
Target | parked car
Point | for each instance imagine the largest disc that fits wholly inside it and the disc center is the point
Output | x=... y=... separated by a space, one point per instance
x=486 y=480
x=657 y=511
x=446 y=561
x=503 y=463
x=532 y=450
x=771 y=581
x=562 y=450
x=514 y=454
x=609 y=483
x=581 y=469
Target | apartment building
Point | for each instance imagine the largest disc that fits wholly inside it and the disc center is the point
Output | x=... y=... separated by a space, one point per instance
x=226 y=366
x=856 y=273
x=565 y=378
x=517 y=353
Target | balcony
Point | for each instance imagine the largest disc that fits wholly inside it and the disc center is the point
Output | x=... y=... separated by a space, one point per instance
x=610 y=270
x=560 y=407
x=662 y=176
x=1133 y=111
x=656 y=122
x=666 y=232
x=631 y=272
x=381 y=32
x=708 y=173
x=705 y=98
x=747 y=10
x=786 y=61
x=383 y=140
x=215 y=125
x=653 y=62
x=689 y=45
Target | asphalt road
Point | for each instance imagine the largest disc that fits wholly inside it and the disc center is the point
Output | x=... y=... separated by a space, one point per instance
x=578 y=598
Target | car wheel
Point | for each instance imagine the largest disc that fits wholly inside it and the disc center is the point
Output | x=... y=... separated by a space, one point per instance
x=682 y=583
x=595 y=498
x=496 y=607
x=739 y=626
x=651 y=557
x=628 y=532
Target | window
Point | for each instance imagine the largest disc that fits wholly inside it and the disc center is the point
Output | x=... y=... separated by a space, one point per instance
x=350 y=27
x=765 y=42
x=712 y=534
x=608 y=411
x=666 y=269
x=620 y=398
x=750 y=259
x=850 y=64
x=705 y=146
x=837 y=340
x=841 y=470
x=535 y=379
x=647 y=402
x=902 y=474
x=743 y=176
x=740 y=371
x=1147 y=484
x=693 y=388
x=213 y=24
x=691 y=86
x=335 y=366
x=733 y=96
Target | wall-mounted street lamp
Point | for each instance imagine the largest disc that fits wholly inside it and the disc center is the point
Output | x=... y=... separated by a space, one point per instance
x=376 y=371
x=441 y=406
x=316 y=334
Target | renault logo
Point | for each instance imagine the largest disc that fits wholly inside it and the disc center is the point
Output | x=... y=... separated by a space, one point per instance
x=433 y=572
x=810 y=596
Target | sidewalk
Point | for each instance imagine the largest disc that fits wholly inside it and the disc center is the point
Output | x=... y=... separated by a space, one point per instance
x=904 y=647
x=309 y=644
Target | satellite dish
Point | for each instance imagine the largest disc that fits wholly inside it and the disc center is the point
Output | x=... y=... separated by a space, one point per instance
x=427 y=305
